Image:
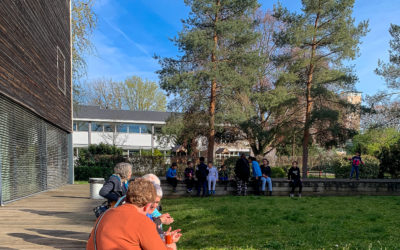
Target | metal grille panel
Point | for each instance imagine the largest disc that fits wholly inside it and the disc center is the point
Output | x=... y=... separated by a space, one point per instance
x=33 y=153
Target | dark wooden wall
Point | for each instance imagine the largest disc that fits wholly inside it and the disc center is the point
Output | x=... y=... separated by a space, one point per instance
x=31 y=32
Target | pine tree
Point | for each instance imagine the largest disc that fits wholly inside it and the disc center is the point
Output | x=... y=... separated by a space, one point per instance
x=323 y=36
x=217 y=61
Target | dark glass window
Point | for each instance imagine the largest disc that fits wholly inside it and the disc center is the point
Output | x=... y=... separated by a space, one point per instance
x=83 y=126
x=134 y=128
x=145 y=129
x=122 y=128
x=108 y=127
x=75 y=126
x=97 y=127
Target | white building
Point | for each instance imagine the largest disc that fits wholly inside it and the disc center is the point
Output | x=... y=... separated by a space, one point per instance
x=133 y=131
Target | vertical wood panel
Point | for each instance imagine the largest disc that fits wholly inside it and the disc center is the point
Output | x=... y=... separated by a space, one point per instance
x=30 y=32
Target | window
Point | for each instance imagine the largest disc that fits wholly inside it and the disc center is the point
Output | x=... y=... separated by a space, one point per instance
x=122 y=128
x=83 y=126
x=97 y=127
x=134 y=128
x=145 y=129
x=61 y=70
x=108 y=127
x=74 y=127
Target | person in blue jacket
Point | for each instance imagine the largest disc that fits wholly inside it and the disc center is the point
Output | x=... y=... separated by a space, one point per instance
x=256 y=175
x=172 y=177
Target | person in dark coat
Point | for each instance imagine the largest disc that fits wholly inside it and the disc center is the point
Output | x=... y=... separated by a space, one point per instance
x=117 y=184
x=189 y=177
x=201 y=175
x=242 y=172
x=295 y=178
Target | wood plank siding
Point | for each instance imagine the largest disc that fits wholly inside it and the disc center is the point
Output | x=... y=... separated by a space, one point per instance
x=35 y=68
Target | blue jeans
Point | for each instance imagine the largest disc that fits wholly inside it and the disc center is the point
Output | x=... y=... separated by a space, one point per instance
x=354 y=168
x=265 y=180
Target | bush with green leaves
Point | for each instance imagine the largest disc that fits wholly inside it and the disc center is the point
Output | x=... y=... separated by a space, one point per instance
x=278 y=172
x=342 y=167
x=390 y=160
x=97 y=161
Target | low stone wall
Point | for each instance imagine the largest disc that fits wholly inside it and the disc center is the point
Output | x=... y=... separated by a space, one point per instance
x=311 y=187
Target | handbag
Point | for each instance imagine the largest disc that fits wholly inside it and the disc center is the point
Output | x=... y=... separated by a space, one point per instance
x=99 y=210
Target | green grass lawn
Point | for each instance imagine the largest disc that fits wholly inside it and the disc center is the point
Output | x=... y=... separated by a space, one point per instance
x=283 y=223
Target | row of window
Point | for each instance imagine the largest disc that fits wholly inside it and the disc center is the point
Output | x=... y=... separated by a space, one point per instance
x=113 y=127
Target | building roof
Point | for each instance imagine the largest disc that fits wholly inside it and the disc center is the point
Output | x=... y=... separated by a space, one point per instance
x=95 y=113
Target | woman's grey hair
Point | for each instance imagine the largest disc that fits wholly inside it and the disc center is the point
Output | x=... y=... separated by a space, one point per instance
x=158 y=190
x=123 y=169
x=152 y=178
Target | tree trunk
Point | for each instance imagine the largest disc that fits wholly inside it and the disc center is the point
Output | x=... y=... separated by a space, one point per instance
x=309 y=102
x=211 y=135
x=293 y=145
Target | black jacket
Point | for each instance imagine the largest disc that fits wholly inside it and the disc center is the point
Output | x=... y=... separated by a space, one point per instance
x=112 y=189
x=201 y=172
x=242 y=169
x=294 y=174
x=266 y=170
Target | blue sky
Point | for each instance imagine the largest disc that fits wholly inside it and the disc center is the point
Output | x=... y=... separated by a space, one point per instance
x=130 y=32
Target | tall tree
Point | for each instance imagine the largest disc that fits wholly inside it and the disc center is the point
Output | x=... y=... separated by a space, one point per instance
x=139 y=94
x=386 y=104
x=269 y=106
x=323 y=36
x=83 y=23
x=217 y=62
x=133 y=94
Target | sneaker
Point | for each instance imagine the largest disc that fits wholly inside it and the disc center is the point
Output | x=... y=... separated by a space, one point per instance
x=291 y=195
x=299 y=195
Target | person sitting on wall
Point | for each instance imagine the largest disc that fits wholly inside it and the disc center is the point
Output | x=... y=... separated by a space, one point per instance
x=172 y=176
x=117 y=185
x=128 y=227
x=223 y=176
x=266 y=177
x=295 y=178
x=189 y=177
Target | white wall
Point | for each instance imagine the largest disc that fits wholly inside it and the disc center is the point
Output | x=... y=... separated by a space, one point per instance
x=124 y=140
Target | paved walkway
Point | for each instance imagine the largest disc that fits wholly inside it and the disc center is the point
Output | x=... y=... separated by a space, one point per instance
x=57 y=219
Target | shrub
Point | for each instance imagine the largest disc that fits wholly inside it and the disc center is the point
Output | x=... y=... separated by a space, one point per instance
x=278 y=172
x=84 y=173
x=97 y=161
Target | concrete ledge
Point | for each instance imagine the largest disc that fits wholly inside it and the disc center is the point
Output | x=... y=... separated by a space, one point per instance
x=311 y=187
